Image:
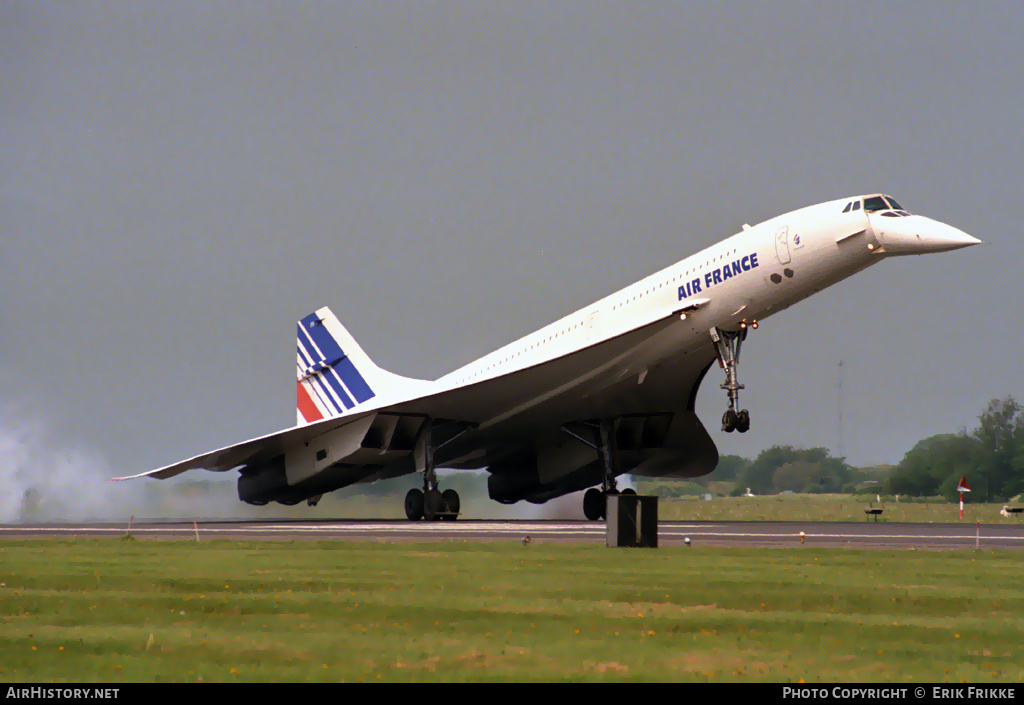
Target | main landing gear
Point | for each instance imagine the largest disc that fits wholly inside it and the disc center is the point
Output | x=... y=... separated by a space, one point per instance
x=727 y=347
x=430 y=503
x=595 y=501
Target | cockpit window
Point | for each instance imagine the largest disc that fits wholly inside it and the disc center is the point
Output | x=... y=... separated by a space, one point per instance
x=875 y=203
x=848 y=207
x=856 y=205
x=892 y=202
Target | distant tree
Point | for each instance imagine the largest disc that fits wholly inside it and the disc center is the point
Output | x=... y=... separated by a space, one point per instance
x=872 y=473
x=933 y=463
x=800 y=476
x=782 y=468
x=729 y=468
x=758 y=475
x=1000 y=433
x=991 y=457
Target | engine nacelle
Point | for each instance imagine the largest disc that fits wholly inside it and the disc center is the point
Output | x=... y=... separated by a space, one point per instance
x=508 y=484
x=259 y=484
x=268 y=482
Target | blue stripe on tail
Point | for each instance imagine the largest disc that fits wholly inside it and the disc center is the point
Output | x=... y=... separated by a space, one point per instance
x=325 y=355
x=322 y=375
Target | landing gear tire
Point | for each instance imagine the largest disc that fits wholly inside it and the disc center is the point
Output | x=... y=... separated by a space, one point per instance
x=743 y=421
x=628 y=490
x=594 y=504
x=414 y=504
x=729 y=421
x=433 y=505
x=595 y=501
x=604 y=505
x=451 y=504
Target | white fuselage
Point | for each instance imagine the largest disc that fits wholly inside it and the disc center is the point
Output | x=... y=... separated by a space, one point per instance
x=744 y=278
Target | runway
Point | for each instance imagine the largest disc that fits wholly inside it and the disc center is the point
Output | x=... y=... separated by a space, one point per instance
x=867 y=535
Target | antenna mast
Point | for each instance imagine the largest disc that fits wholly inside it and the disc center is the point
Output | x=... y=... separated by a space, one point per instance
x=839 y=409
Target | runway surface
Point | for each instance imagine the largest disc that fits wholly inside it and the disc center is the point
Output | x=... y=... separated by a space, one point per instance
x=867 y=535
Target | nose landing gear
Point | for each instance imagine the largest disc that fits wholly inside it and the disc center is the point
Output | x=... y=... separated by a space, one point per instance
x=733 y=420
x=727 y=347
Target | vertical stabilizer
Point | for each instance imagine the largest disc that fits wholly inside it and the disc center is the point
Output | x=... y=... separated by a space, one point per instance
x=334 y=374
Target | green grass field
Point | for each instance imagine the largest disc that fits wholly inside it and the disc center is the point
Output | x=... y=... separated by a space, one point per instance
x=129 y=610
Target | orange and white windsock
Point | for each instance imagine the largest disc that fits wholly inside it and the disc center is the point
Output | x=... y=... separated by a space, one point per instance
x=962 y=487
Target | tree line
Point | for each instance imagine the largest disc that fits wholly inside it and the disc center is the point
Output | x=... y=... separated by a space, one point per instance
x=991 y=457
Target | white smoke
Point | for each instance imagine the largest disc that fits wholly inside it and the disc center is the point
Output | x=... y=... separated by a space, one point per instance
x=42 y=481
x=44 y=478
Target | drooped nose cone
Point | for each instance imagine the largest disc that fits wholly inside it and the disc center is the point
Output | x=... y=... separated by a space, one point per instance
x=917 y=235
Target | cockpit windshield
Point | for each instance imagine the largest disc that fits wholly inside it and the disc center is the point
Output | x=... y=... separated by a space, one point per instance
x=875 y=203
x=881 y=203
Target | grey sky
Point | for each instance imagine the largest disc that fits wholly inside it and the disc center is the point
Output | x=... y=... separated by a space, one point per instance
x=180 y=182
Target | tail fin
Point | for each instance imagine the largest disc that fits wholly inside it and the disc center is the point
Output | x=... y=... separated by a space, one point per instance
x=334 y=374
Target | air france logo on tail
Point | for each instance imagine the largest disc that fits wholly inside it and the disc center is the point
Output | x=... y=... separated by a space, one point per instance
x=328 y=383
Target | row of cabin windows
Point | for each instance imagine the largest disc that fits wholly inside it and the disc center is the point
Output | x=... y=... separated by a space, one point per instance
x=675 y=278
x=532 y=346
x=616 y=306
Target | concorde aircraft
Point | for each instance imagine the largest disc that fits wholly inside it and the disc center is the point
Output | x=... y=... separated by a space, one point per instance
x=604 y=391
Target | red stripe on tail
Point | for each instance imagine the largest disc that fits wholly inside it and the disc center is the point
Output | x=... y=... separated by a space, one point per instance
x=306 y=406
